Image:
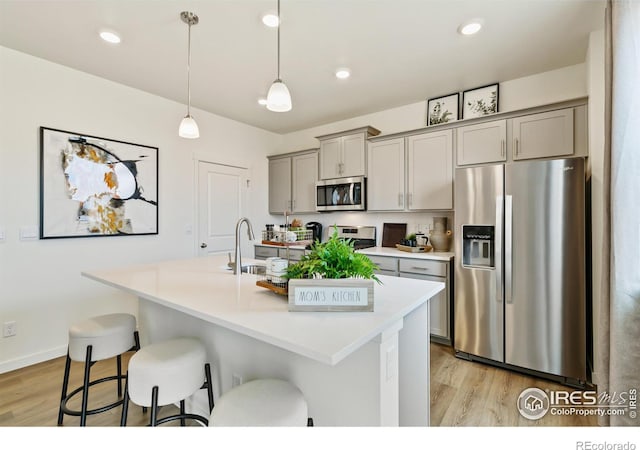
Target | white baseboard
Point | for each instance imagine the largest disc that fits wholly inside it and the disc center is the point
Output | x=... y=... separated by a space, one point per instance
x=19 y=363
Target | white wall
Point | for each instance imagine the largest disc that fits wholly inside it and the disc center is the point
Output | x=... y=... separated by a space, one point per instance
x=40 y=283
x=559 y=85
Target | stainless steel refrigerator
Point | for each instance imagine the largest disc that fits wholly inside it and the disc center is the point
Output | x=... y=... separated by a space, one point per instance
x=520 y=286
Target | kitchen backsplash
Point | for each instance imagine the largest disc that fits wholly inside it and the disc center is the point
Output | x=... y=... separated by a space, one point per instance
x=416 y=221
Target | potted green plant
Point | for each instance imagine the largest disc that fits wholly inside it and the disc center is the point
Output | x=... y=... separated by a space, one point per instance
x=332 y=278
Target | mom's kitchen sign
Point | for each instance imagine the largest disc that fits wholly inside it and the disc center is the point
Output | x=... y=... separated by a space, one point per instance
x=331 y=295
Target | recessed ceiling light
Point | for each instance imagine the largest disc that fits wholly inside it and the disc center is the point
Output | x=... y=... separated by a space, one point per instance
x=270 y=20
x=262 y=101
x=110 y=37
x=343 y=73
x=470 y=27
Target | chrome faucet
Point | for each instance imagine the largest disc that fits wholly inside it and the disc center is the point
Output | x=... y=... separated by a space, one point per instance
x=237 y=267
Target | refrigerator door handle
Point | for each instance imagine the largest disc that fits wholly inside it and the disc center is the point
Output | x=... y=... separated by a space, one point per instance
x=508 y=254
x=499 y=246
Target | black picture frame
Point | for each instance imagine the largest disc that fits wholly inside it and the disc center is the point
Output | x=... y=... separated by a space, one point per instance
x=480 y=101
x=443 y=109
x=92 y=186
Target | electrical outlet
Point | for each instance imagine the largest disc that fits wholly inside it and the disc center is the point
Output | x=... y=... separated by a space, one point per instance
x=9 y=329
x=236 y=380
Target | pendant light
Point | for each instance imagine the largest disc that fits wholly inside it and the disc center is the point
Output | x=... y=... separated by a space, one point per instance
x=188 y=127
x=279 y=98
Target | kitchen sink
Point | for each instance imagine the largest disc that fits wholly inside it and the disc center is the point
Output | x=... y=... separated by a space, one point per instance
x=256 y=269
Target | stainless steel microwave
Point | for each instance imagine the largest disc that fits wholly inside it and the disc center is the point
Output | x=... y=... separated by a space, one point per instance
x=341 y=194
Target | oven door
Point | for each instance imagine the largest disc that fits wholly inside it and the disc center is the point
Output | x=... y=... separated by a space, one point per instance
x=342 y=194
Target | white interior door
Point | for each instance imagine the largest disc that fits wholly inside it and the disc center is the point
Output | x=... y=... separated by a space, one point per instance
x=222 y=200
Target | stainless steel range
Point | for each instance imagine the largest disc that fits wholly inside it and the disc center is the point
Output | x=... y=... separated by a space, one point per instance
x=362 y=236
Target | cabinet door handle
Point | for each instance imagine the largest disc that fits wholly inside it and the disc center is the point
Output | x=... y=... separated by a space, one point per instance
x=516 y=146
x=502 y=147
x=293 y=205
x=400 y=200
x=420 y=268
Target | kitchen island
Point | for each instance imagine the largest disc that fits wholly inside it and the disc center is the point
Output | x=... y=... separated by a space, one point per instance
x=354 y=368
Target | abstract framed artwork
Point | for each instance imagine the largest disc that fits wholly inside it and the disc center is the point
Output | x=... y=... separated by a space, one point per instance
x=480 y=101
x=93 y=186
x=443 y=109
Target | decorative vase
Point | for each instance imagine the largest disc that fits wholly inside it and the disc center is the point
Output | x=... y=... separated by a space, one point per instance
x=440 y=237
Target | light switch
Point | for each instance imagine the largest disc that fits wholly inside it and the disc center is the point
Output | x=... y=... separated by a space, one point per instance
x=28 y=233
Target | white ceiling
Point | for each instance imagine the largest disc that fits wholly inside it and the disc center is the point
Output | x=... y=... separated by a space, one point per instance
x=399 y=51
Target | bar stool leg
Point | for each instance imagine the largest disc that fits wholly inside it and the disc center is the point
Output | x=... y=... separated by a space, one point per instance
x=182 y=413
x=65 y=386
x=119 y=364
x=125 y=402
x=85 y=391
x=207 y=373
x=154 y=406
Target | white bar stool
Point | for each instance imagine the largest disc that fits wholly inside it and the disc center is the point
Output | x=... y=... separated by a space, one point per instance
x=165 y=373
x=92 y=340
x=261 y=403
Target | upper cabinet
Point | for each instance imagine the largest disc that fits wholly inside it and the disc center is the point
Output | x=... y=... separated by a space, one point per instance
x=279 y=184
x=385 y=183
x=304 y=174
x=549 y=134
x=482 y=143
x=344 y=154
x=543 y=135
x=411 y=173
x=430 y=171
x=292 y=182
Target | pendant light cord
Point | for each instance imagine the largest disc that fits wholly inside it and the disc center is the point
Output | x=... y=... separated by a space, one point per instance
x=279 y=24
x=189 y=72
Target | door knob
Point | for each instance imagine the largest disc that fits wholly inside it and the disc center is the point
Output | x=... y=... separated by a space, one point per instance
x=203 y=245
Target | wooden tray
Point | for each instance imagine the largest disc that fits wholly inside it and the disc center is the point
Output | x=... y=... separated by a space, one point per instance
x=418 y=249
x=272 y=287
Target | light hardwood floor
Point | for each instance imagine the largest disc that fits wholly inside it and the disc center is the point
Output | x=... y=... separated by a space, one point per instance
x=463 y=393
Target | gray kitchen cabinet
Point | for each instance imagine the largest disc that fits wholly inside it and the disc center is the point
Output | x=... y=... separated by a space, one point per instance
x=543 y=135
x=430 y=171
x=386 y=265
x=413 y=173
x=386 y=175
x=425 y=269
x=279 y=184
x=292 y=182
x=482 y=143
x=304 y=174
x=440 y=305
x=262 y=252
x=344 y=154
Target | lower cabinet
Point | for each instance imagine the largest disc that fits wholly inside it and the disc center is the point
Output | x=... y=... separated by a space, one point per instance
x=264 y=252
x=430 y=270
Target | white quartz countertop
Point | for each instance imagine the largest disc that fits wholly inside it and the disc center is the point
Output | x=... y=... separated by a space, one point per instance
x=204 y=288
x=389 y=251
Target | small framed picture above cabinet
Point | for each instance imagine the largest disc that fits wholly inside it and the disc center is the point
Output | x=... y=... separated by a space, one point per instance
x=481 y=101
x=443 y=109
